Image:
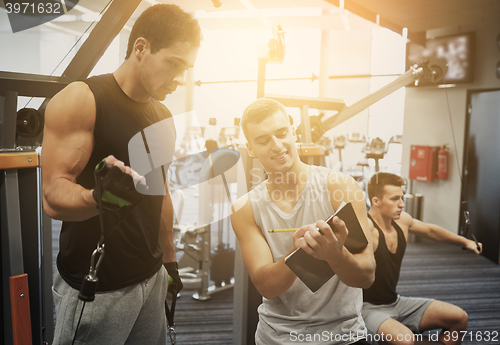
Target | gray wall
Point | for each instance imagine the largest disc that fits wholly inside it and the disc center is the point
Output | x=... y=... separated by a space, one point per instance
x=428 y=122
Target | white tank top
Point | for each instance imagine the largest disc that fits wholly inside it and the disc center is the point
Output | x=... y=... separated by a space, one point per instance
x=332 y=314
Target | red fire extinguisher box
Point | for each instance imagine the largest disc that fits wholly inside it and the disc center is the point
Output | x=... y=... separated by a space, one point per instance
x=423 y=162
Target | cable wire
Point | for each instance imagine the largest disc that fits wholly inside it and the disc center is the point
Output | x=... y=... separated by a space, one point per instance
x=453 y=135
x=78 y=325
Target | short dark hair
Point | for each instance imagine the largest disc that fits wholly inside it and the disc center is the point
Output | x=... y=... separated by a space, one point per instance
x=163 y=25
x=260 y=110
x=380 y=180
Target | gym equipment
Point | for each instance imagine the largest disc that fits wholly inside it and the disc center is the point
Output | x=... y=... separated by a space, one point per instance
x=26 y=255
x=19 y=185
x=228 y=137
x=26 y=230
x=357 y=138
x=219 y=161
x=197 y=264
x=376 y=150
x=339 y=143
x=170 y=312
x=277 y=46
x=29 y=123
x=316 y=128
x=430 y=70
x=466 y=224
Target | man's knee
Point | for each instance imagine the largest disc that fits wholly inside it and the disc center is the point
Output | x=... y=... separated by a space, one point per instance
x=405 y=339
x=398 y=338
x=461 y=320
x=395 y=333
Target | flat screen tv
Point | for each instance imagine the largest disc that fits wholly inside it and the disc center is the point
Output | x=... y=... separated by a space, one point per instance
x=457 y=50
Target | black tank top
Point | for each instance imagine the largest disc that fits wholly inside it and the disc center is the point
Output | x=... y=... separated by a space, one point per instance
x=383 y=290
x=132 y=252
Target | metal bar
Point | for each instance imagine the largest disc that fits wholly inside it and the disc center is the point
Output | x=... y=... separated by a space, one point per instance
x=47 y=274
x=12 y=250
x=236 y=81
x=352 y=76
x=110 y=25
x=304 y=118
x=31 y=85
x=202 y=294
x=17 y=160
x=31 y=234
x=20 y=302
x=347 y=113
x=261 y=76
x=8 y=120
x=311 y=102
x=240 y=304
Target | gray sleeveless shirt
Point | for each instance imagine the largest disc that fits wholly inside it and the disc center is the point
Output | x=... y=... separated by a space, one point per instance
x=331 y=315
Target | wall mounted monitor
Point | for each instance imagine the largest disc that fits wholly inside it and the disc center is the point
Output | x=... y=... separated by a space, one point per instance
x=457 y=50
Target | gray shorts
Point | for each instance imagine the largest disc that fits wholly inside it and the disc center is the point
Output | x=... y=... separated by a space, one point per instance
x=407 y=310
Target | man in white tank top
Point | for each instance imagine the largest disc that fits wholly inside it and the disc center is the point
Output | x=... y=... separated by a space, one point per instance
x=297 y=195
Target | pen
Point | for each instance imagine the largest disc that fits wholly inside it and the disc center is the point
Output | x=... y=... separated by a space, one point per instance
x=282 y=230
x=289 y=230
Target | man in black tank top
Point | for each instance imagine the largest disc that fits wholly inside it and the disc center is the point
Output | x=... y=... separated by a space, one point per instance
x=96 y=119
x=394 y=318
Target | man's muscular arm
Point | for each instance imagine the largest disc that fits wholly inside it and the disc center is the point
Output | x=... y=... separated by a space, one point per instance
x=166 y=234
x=437 y=233
x=270 y=278
x=67 y=146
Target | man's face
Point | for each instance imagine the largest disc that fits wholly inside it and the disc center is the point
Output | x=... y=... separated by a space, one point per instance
x=273 y=142
x=164 y=70
x=392 y=204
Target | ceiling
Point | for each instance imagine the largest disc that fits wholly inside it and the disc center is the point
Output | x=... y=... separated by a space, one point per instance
x=418 y=16
x=422 y=15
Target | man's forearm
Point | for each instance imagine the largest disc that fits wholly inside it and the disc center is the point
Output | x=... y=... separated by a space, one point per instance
x=166 y=234
x=440 y=234
x=68 y=201
x=354 y=270
x=273 y=279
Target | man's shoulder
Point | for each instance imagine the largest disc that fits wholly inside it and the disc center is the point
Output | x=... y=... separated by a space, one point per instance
x=101 y=83
x=73 y=105
x=240 y=203
x=404 y=222
x=242 y=212
x=338 y=179
x=166 y=113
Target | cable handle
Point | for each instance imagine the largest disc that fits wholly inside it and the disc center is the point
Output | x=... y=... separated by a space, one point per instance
x=170 y=317
x=89 y=284
x=99 y=251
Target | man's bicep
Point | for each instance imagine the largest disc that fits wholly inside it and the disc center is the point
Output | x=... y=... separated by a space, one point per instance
x=253 y=246
x=68 y=133
x=352 y=193
x=416 y=226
